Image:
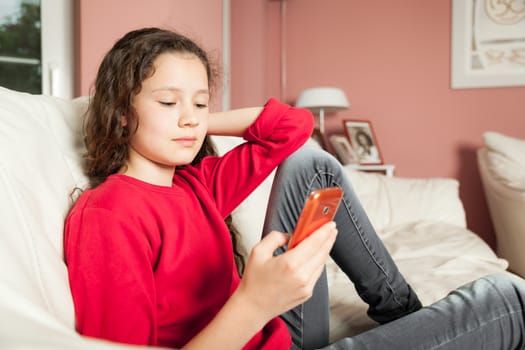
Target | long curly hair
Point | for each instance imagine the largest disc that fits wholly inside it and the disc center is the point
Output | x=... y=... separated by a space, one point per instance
x=119 y=79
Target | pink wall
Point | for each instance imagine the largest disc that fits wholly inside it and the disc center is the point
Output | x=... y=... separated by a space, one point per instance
x=100 y=23
x=255 y=51
x=393 y=61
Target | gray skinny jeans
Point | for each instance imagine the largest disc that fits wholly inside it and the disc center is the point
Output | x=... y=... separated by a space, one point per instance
x=486 y=314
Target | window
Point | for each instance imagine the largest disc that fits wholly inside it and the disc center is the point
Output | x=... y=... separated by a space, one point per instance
x=36 y=46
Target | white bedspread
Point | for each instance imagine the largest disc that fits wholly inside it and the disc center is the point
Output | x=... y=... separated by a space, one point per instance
x=434 y=257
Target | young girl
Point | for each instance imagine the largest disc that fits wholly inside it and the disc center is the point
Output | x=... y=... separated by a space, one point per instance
x=152 y=262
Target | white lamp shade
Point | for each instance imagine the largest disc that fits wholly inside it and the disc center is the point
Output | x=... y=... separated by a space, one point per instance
x=329 y=99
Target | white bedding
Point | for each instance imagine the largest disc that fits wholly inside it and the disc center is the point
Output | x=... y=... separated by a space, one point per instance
x=434 y=257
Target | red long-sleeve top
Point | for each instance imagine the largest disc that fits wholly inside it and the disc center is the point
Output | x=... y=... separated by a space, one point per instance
x=153 y=265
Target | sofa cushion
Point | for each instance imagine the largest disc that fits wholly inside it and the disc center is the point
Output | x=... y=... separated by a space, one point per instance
x=39 y=168
x=513 y=148
x=506 y=159
x=391 y=201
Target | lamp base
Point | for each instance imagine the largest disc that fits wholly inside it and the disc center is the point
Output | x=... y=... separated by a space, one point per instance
x=321 y=121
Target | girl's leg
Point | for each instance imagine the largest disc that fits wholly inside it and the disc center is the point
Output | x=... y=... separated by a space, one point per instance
x=485 y=314
x=308 y=323
x=358 y=250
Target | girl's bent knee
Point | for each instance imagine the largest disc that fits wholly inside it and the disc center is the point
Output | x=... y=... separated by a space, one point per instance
x=506 y=281
x=308 y=156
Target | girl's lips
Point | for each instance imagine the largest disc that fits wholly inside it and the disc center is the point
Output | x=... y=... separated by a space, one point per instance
x=186 y=141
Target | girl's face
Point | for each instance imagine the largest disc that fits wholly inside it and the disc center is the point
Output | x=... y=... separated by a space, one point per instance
x=172 y=110
x=362 y=140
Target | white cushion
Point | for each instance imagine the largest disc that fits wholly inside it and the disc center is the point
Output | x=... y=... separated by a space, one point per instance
x=39 y=168
x=513 y=148
x=40 y=165
x=391 y=201
x=506 y=159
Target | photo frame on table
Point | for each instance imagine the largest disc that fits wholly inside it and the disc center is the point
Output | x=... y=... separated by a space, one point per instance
x=363 y=140
x=344 y=151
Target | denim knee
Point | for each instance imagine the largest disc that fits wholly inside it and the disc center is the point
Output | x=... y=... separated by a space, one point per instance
x=506 y=283
x=307 y=157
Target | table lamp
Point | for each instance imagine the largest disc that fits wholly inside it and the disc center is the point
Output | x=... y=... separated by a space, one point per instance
x=321 y=100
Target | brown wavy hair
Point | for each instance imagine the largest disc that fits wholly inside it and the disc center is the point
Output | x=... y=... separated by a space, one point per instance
x=119 y=78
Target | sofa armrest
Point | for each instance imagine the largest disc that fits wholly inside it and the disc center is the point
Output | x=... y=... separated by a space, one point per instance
x=506 y=204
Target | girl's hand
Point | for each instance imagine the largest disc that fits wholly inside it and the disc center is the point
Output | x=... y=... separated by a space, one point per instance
x=275 y=284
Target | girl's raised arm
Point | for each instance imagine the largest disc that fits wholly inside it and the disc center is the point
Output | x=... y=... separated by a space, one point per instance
x=234 y=122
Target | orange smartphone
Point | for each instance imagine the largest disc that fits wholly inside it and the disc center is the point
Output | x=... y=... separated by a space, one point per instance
x=319 y=208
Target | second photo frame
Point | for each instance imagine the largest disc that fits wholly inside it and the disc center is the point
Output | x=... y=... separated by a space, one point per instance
x=363 y=141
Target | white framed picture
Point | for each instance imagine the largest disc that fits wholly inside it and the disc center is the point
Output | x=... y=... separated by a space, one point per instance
x=363 y=141
x=343 y=149
x=488 y=43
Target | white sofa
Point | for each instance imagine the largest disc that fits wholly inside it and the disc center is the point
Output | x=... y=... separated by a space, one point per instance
x=421 y=221
x=502 y=167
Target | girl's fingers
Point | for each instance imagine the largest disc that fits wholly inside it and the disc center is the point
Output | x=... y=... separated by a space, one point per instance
x=287 y=279
x=311 y=254
x=269 y=243
x=321 y=241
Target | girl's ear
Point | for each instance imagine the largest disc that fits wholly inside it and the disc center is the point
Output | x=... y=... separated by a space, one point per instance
x=123 y=120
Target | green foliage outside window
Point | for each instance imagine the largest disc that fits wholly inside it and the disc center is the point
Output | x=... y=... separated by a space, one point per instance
x=20 y=39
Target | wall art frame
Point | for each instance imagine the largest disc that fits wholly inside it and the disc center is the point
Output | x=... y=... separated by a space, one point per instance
x=488 y=43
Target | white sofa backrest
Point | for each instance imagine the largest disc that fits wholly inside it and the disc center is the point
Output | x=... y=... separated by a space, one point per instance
x=39 y=168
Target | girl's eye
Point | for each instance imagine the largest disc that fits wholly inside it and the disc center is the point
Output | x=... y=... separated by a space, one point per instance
x=201 y=105
x=166 y=103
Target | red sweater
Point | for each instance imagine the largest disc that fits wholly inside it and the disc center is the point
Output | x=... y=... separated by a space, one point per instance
x=152 y=265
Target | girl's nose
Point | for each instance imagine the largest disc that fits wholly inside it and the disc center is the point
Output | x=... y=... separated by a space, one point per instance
x=188 y=118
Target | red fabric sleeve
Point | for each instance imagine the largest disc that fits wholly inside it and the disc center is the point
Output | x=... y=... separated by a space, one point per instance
x=111 y=276
x=278 y=132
